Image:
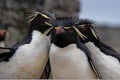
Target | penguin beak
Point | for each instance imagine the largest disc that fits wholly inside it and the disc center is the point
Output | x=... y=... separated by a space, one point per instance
x=59 y=30
x=2 y=32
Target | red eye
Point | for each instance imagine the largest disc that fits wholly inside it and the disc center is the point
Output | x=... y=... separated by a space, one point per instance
x=42 y=19
x=69 y=30
x=83 y=29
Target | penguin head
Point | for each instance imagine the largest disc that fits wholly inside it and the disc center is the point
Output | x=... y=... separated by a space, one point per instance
x=85 y=26
x=37 y=20
x=3 y=30
x=63 y=33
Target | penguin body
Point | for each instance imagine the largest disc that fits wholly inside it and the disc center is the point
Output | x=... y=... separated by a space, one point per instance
x=67 y=57
x=69 y=63
x=27 y=59
x=108 y=65
x=105 y=57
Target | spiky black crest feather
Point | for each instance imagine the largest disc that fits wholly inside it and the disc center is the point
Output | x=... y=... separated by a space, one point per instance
x=86 y=21
x=50 y=15
x=65 y=21
x=32 y=16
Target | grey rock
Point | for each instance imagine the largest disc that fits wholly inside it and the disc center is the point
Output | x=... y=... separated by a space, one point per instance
x=14 y=13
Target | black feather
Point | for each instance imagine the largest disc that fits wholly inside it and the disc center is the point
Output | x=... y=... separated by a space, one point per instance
x=65 y=21
x=86 y=21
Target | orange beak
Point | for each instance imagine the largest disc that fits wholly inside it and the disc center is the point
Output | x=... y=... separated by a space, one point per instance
x=2 y=32
x=59 y=30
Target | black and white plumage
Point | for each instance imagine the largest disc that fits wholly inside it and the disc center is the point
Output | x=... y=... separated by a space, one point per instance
x=27 y=59
x=105 y=57
x=3 y=31
x=69 y=58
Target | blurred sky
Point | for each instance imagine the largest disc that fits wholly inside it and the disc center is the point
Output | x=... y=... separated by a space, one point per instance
x=102 y=11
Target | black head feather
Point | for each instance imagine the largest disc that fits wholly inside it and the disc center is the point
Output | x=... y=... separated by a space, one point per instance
x=85 y=21
x=85 y=26
x=50 y=15
x=38 y=19
x=63 y=33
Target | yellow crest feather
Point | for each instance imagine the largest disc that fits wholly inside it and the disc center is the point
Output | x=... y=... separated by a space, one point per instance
x=48 y=24
x=80 y=34
x=45 y=16
x=94 y=33
x=32 y=16
x=47 y=31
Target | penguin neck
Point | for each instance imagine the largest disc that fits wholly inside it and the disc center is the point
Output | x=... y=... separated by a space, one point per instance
x=32 y=37
x=60 y=42
x=37 y=37
x=95 y=41
x=2 y=38
x=64 y=39
x=31 y=33
x=41 y=27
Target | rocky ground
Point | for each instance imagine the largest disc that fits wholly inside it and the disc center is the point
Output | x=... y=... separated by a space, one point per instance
x=110 y=36
x=14 y=13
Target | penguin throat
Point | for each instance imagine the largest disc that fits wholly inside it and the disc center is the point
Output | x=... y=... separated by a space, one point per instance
x=2 y=38
x=37 y=36
x=62 y=43
x=41 y=27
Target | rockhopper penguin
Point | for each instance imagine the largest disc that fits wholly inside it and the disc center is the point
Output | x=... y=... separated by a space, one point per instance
x=69 y=58
x=105 y=57
x=28 y=58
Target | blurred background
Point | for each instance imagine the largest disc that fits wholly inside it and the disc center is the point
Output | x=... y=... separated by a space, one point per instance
x=13 y=13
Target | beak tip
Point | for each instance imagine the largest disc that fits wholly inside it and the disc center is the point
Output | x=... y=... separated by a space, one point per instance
x=59 y=30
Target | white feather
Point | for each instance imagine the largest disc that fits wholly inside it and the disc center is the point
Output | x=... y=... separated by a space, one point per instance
x=29 y=60
x=2 y=44
x=69 y=63
x=109 y=66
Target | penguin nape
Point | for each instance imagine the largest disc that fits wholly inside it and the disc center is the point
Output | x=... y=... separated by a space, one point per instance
x=105 y=57
x=27 y=59
x=3 y=30
x=69 y=58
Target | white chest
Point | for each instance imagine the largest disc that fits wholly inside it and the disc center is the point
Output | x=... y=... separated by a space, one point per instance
x=109 y=66
x=28 y=61
x=69 y=63
x=2 y=44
